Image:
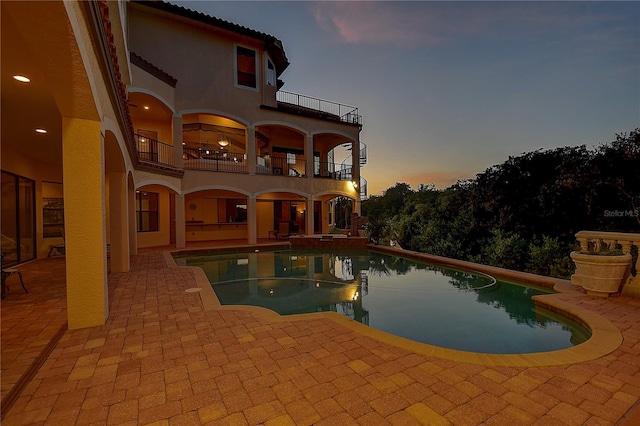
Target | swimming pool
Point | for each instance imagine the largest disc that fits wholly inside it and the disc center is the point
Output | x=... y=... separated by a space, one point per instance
x=427 y=303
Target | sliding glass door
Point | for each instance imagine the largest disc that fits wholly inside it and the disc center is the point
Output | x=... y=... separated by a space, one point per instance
x=18 y=225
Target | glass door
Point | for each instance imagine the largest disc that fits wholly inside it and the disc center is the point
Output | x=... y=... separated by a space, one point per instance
x=18 y=219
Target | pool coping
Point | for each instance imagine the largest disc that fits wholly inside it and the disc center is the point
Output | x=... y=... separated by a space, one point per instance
x=605 y=337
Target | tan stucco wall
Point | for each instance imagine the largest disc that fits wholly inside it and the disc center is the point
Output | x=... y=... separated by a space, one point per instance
x=206 y=87
x=142 y=79
x=265 y=218
x=196 y=179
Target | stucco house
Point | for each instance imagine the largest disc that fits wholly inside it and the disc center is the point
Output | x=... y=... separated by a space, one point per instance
x=138 y=124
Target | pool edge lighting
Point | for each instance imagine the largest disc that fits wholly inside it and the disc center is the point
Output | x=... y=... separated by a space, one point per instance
x=22 y=79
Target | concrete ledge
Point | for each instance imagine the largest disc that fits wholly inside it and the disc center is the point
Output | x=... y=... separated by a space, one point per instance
x=328 y=241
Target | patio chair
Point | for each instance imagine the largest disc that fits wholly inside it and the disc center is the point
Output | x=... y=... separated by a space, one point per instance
x=283 y=230
x=6 y=273
x=59 y=248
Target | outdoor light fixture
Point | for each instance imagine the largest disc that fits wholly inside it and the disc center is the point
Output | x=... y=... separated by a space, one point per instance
x=223 y=142
x=355 y=184
x=22 y=78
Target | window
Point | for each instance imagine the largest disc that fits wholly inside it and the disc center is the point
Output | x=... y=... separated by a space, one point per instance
x=18 y=219
x=232 y=210
x=52 y=210
x=147 y=211
x=246 y=67
x=271 y=73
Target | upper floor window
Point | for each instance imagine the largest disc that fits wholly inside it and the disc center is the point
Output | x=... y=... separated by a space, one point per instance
x=271 y=73
x=246 y=71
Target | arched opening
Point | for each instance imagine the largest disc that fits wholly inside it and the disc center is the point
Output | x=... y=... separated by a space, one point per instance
x=281 y=150
x=215 y=143
x=152 y=122
x=155 y=210
x=282 y=212
x=217 y=214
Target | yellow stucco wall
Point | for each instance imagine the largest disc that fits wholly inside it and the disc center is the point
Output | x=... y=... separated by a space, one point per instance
x=84 y=191
x=161 y=237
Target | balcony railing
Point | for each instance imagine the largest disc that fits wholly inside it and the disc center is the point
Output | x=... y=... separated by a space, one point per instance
x=281 y=166
x=154 y=151
x=217 y=161
x=317 y=107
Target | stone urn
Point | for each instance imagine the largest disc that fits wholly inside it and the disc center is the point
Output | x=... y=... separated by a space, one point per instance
x=600 y=274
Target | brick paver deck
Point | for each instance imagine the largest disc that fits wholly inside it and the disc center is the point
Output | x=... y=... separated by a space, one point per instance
x=163 y=359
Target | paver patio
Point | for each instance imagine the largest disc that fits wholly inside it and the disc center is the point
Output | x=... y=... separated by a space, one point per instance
x=162 y=358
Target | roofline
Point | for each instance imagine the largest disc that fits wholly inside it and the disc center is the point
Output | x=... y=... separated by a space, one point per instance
x=271 y=44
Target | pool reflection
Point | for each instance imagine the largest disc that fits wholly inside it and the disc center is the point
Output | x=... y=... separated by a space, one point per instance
x=423 y=302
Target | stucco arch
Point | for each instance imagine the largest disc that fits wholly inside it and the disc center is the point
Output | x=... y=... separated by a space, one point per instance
x=153 y=94
x=290 y=126
x=287 y=190
x=334 y=193
x=109 y=127
x=219 y=113
x=158 y=182
x=214 y=187
x=332 y=132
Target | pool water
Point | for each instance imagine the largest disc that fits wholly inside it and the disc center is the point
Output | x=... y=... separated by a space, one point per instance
x=419 y=301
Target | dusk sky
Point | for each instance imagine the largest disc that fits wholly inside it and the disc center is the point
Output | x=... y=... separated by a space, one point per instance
x=448 y=89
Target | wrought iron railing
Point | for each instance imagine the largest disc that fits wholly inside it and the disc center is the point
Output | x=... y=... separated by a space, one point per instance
x=329 y=170
x=324 y=109
x=217 y=161
x=154 y=151
x=363 y=188
x=281 y=166
x=362 y=157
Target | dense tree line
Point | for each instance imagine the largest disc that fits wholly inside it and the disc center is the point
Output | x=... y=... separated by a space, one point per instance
x=522 y=214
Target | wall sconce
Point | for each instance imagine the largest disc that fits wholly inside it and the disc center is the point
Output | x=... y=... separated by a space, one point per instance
x=355 y=184
x=223 y=142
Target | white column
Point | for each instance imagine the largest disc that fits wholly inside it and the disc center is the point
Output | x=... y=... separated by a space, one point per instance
x=251 y=149
x=310 y=215
x=133 y=232
x=181 y=224
x=177 y=141
x=308 y=151
x=252 y=220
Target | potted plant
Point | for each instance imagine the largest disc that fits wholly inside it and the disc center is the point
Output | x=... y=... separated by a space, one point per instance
x=601 y=271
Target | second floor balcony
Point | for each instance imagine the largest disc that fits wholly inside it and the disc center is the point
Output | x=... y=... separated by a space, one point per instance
x=153 y=152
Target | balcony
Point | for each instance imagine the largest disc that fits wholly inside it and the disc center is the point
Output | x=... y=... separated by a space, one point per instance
x=307 y=106
x=154 y=151
x=217 y=161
